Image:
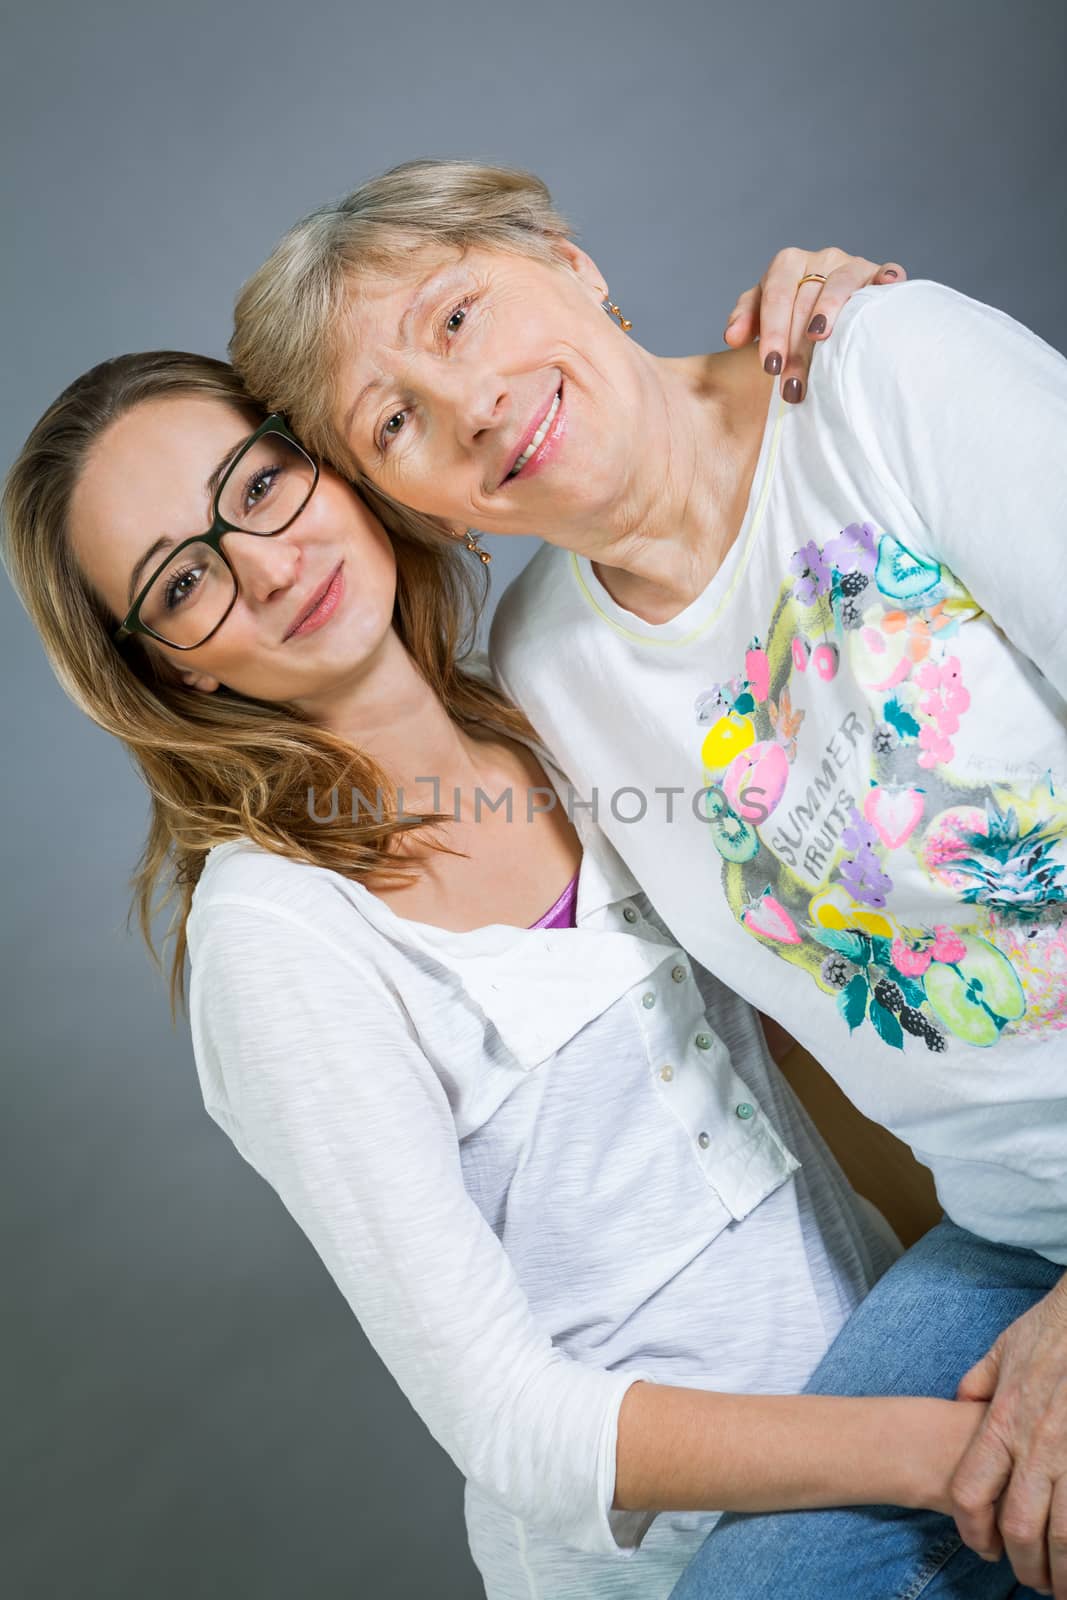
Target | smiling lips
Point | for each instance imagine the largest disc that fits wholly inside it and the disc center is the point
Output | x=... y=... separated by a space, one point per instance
x=322 y=606
x=535 y=439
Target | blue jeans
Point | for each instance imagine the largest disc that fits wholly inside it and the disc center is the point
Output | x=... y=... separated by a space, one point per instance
x=931 y=1317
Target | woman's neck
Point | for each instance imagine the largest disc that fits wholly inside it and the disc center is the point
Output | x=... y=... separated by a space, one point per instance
x=706 y=421
x=390 y=713
x=515 y=847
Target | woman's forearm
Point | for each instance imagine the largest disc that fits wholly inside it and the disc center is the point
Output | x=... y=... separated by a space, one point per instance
x=689 y=1450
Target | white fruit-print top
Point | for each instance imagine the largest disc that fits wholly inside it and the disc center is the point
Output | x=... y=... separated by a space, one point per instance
x=841 y=772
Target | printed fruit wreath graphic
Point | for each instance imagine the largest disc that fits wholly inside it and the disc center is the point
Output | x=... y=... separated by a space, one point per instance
x=889 y=614
x=971 y=988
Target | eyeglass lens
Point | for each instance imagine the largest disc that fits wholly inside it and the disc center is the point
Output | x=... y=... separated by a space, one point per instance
x=266 y=488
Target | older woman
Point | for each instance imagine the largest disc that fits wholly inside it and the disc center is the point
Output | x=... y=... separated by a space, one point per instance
x=813 y=687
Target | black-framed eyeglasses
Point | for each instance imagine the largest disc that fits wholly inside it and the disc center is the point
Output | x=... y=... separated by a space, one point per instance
x=191 y=593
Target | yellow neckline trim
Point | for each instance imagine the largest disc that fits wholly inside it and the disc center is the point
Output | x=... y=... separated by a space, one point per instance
x=750 y=537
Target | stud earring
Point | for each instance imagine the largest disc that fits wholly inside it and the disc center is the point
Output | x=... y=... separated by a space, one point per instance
x=613 y=311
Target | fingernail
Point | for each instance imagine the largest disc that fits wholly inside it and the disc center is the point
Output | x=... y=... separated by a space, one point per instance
x=793 y=390
x=817 y=324
x=773 y=364
x=729 y=325
x=889 y=273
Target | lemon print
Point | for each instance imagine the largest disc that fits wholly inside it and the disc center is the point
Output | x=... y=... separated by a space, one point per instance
x=834 y=909
x=730 y=735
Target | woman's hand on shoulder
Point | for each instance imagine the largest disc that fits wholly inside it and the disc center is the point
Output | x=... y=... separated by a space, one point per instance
x=789 y=318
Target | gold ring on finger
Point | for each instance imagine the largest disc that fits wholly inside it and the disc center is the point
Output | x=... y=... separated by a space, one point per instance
x=811 y=277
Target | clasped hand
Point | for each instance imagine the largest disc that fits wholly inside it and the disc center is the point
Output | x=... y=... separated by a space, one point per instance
x=1009 y=1492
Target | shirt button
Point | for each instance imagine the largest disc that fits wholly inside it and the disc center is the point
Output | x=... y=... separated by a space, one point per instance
x=648 y=1000
x=666 y=1073
x=703 y=1141
x=630 y=914
x=744 y=1111
x=703 y=1041
x=679 y=974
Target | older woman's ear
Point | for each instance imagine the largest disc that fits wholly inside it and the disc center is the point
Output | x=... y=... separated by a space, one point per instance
x=573 y=256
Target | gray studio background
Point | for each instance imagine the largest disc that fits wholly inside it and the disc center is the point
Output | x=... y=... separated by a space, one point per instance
x=190 y=1409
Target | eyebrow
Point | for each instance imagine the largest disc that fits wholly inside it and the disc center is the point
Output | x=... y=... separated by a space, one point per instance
x=164 y=542
x=428 y=289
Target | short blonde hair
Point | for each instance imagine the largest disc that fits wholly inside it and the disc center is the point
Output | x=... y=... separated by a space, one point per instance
x=285 y=343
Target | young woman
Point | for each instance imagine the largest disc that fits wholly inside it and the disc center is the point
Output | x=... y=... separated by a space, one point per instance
x=544 y=1155
x=810 y=665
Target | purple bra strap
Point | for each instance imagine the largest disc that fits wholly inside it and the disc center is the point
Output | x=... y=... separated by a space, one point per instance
x=561 y=914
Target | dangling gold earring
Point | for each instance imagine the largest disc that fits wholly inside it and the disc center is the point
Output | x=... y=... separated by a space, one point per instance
x=472 y=545
x=613 y=311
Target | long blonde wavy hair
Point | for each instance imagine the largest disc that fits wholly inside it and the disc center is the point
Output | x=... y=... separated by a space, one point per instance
x=223 y=766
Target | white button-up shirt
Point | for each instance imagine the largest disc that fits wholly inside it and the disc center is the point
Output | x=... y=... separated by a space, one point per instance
x=539 y=1164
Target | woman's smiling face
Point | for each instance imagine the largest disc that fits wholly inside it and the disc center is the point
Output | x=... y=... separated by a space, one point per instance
x=490 y=390
x=150 y=475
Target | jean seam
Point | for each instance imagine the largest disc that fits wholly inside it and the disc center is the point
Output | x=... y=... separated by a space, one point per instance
x=935 y=1560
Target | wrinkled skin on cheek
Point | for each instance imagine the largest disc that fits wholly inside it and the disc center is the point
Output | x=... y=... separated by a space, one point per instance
x=466 y=355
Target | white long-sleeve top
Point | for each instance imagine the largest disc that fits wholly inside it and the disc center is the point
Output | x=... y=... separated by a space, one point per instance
x=539 y=1164
x=853 y=743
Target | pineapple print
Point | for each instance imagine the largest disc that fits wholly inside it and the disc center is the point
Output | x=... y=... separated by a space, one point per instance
x=1009 y=869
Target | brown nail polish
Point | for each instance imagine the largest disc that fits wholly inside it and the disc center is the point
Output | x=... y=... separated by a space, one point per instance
x=817 y=324
x=773 y=364
x=793 y=390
